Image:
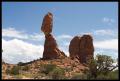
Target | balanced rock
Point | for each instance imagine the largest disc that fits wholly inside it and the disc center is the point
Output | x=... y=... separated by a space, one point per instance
x=82 y=48
x=47 y=23
x=51 y=50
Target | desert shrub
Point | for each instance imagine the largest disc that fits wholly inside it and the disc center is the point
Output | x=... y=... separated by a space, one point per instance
x=17 y=76
x=110 y=76
x=39 y=75
x=8 y=71
x=104 y=63
x=28 y=75
x=46 y=68
x=25 y=68
x=92 y=71
x=79 y=76
x=68 y=69
x=113 y=75
x=15 y=70
x=20 y=64
x=101 y=68
x=102 y=77
x=58 y=73
x=73 y=65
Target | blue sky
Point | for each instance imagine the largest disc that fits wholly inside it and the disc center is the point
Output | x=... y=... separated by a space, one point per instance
x=21 y=22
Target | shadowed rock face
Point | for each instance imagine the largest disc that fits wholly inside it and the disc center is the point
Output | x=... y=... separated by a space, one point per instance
x=74 y=47
x=51 y=50
x=86 y=48
x=82 y=48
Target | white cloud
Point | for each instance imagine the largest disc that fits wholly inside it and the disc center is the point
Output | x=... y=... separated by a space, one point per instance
x=66 y=44
x=13 y=33
x=107 y=44
x=88 y=33
x=64 y=49
x=108 y=20
x=64 y=36
x=16 y=50
x=66 y=53
x=109 y=52
x=105 y=32
x=36 y=37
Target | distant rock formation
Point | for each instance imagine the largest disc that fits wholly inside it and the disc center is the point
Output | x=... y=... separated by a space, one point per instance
x=82 y=48
x=51 y=50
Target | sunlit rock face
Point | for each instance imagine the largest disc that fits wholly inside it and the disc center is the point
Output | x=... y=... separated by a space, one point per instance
x=47 y=23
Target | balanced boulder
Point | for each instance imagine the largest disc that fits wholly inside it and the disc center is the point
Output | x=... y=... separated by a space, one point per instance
x=47 y=23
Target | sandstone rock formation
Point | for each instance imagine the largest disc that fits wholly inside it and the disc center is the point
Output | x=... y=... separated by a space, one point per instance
x=86 y=48
x=51 y=50
x=74 y=47
x=82 y=48
x=47 y=23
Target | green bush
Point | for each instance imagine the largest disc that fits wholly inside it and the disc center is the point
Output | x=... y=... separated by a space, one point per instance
x=68 y=69
x=102 y=77
x=17 y=76
x=47 y=68
x=110 y=76
x=100 y=66
x=15 y=70
x=8 y=71
x=25 y=68
x=114 y=75
x=39 y=76
x=20 y=64
x=58 y=73
x=79 y=76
